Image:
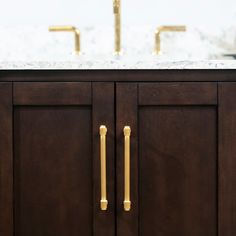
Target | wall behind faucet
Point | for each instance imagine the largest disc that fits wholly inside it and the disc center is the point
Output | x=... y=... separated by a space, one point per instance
x=210 y=13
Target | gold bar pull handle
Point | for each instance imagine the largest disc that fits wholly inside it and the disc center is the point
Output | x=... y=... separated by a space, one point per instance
x=127 y=202
x=103 y=202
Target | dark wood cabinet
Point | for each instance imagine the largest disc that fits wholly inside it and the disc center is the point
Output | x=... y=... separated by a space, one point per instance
x=182 y=157
x=175 y=157
x=54 y=175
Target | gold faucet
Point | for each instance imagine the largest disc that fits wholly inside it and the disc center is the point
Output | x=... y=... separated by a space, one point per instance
x=69 y=29
x=175 y=28
x=116 y=10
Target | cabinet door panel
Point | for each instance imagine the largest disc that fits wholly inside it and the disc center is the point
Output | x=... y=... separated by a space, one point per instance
x=178 y=167
x=56 y=182
x=174 y=160
x=53 y=170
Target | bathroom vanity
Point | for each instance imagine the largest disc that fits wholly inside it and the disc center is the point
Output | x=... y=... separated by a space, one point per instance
x=177 y=167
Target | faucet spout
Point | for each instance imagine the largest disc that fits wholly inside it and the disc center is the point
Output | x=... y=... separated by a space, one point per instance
x=116 y=10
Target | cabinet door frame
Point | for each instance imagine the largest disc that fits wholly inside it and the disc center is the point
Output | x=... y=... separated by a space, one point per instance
x=6 y=160
x=227 y=159
x=129 y=96
x=100 y=97
x=127 y=115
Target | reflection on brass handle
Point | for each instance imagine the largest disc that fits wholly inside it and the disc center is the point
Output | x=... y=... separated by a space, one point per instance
x=127 y=202
x=69 y=29
x=103 y=202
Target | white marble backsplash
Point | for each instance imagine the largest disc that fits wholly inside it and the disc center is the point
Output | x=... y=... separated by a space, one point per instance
x=32 y=47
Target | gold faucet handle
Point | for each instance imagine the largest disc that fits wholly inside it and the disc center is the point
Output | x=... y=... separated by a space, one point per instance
x=69 y=29
x=166 y=28
x=172 y=28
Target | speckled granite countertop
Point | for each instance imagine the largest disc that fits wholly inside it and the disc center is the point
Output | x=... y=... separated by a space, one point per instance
x=118 y=65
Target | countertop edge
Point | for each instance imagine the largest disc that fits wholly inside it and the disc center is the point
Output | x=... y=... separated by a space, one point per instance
x=113 y=65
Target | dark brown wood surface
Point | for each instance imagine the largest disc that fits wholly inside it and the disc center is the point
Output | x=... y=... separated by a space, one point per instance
x=177 y=94
x=118 y=75
x=176 y=147
x=227 y=159
x=53 y=171
x=175 y=189
x=126 y=115
x=45 y=93
x=6 y=161
x=56 y=170
x=178 y=171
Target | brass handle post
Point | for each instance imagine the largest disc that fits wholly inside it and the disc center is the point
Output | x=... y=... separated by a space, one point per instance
x=103 y=202
x=166 y=28
x=127 y=202
x=69 y=29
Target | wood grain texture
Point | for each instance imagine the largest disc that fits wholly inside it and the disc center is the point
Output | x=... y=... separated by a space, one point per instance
x=184 y=94
x=104 y=114
x=6 y=160
x=178 y=171
x=177 y=93
x=53 y=171
x=52 y=93
x=227 y=160
x=118 y=75
x=126 y=114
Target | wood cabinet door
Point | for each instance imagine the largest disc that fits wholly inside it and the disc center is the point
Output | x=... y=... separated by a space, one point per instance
x=57 y=159
x=174 y=159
